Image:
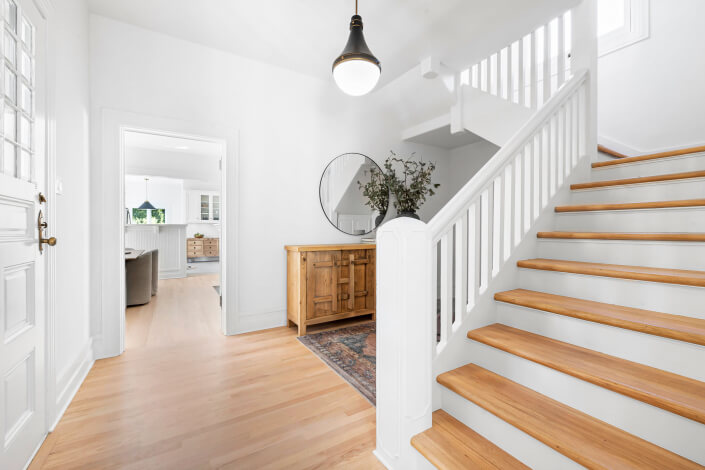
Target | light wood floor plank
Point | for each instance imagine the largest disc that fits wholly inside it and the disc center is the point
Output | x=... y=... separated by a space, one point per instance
x=183 y=396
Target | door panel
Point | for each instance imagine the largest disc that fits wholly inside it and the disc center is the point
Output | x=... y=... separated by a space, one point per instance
x=322 y=283
x=361 y=281
x=22 y=267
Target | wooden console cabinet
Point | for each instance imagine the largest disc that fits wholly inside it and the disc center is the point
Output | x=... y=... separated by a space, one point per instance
x=202 y=247
x=329 y=282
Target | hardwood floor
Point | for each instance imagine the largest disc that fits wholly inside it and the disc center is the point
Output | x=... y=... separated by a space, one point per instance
x=183 y=396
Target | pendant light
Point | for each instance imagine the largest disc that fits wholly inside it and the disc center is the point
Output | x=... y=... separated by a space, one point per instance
x=356 y=71
x=146 y=204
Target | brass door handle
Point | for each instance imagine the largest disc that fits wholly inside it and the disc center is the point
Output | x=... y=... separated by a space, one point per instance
x=41 y=225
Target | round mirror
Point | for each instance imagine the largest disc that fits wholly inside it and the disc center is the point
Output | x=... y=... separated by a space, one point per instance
x=353 y=195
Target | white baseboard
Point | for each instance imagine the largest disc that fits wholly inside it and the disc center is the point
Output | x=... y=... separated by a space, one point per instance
x=68 y=384
x=632 y=151
x=248 y=322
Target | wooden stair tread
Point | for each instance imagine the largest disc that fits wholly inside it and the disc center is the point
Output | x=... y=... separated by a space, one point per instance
x=580 y=437
x=610 y=152
x=638 y=273
x=632 y=206
x=671 y=392
x=678 y=327
x=652 y=156
x=643 y=179
x=450 y=445
x=668 y=237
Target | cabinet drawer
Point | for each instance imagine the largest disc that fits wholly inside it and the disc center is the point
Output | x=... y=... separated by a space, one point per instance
x=210 y=242
x=195 y=243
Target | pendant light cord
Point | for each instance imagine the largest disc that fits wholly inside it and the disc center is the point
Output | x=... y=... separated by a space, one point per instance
x=356 y=7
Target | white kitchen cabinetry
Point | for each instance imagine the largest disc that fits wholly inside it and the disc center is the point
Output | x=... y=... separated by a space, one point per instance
x=203 y=206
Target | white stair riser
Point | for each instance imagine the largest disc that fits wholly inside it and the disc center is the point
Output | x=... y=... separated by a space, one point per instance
x=675 y=255
x=674 y=356
x=691 y=219
x=656 y=296
x=676 y=190
x=523 y=447
x=659 y=166
x=665 y=429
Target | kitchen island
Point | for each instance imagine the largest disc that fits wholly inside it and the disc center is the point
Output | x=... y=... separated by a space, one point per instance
x=169 y=239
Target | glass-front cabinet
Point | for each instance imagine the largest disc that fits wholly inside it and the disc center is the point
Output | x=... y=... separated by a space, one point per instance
x=203 y=206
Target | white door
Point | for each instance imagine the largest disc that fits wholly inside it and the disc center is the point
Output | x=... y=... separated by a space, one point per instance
x=22 y=266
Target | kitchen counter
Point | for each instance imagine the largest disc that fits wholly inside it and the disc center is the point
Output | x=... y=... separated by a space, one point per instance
x=169 y=239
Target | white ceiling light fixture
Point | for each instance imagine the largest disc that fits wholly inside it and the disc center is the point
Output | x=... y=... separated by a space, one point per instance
x=356 y=70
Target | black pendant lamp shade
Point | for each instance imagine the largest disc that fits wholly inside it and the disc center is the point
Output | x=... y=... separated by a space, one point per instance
x=356 y=70
x=146 y=204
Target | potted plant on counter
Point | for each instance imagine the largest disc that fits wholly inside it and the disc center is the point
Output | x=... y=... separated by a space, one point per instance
x=410 y=182
x=377 y=193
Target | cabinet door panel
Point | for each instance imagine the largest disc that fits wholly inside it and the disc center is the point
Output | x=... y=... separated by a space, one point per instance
x=357 y=280
x=322 y=283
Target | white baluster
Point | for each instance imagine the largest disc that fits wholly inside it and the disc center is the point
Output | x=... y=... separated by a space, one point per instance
x=546 y=63
x=561 y=52
x=533 y=63
x=446 y=288
x=521 y=76
x=497 y=226
x=510 y=74
x=461 y=260
x=473 y=252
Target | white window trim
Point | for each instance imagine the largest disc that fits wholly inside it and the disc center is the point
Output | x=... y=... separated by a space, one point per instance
x=635 y=29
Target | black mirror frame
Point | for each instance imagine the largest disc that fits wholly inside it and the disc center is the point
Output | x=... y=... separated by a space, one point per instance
x=320 y=182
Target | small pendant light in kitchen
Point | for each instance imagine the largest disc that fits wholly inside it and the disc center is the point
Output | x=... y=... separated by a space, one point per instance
x=356 y=70
x=146 y=204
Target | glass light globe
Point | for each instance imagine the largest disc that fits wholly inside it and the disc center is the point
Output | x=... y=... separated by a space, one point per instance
x=356 y=77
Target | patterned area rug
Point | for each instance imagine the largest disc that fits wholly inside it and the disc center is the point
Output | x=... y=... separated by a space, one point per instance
x=351 y=352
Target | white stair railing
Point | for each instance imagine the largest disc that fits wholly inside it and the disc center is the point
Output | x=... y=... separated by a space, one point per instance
x=476 y=232
x=529 y=70
x=454 y=258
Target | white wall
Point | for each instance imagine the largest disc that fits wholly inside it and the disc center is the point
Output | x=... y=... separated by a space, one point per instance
x=466 y=161
x=651 y=94
x=164 y=193
x=69 y=48
x=290 y=126
x=209 y=230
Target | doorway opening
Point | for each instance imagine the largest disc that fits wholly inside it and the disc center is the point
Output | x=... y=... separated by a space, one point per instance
x=173 y=211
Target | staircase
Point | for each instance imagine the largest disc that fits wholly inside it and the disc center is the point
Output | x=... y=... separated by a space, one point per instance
x=552 y=314
x=579 y=311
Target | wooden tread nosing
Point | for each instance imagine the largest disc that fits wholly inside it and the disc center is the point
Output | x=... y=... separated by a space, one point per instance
x=672 y=392
x=653 y=156
x=450 y=445
x=632 y=206
x=640 y=180
x=636 y=273
x=678 y=327
x=665 y=237
x=580 y=437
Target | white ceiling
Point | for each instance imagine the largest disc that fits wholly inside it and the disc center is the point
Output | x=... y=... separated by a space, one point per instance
x=171 y=157
x=166 y=143
x=307 y=35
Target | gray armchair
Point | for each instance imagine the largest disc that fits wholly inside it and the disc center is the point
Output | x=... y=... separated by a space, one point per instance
x=155 y=271
x=138 y=279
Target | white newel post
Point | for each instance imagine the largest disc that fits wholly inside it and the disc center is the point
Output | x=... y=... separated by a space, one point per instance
x=404 y=341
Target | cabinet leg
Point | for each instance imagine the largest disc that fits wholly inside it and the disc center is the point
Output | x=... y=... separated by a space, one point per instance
x=374 y=316
x=302 y=329
x=291 y=323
